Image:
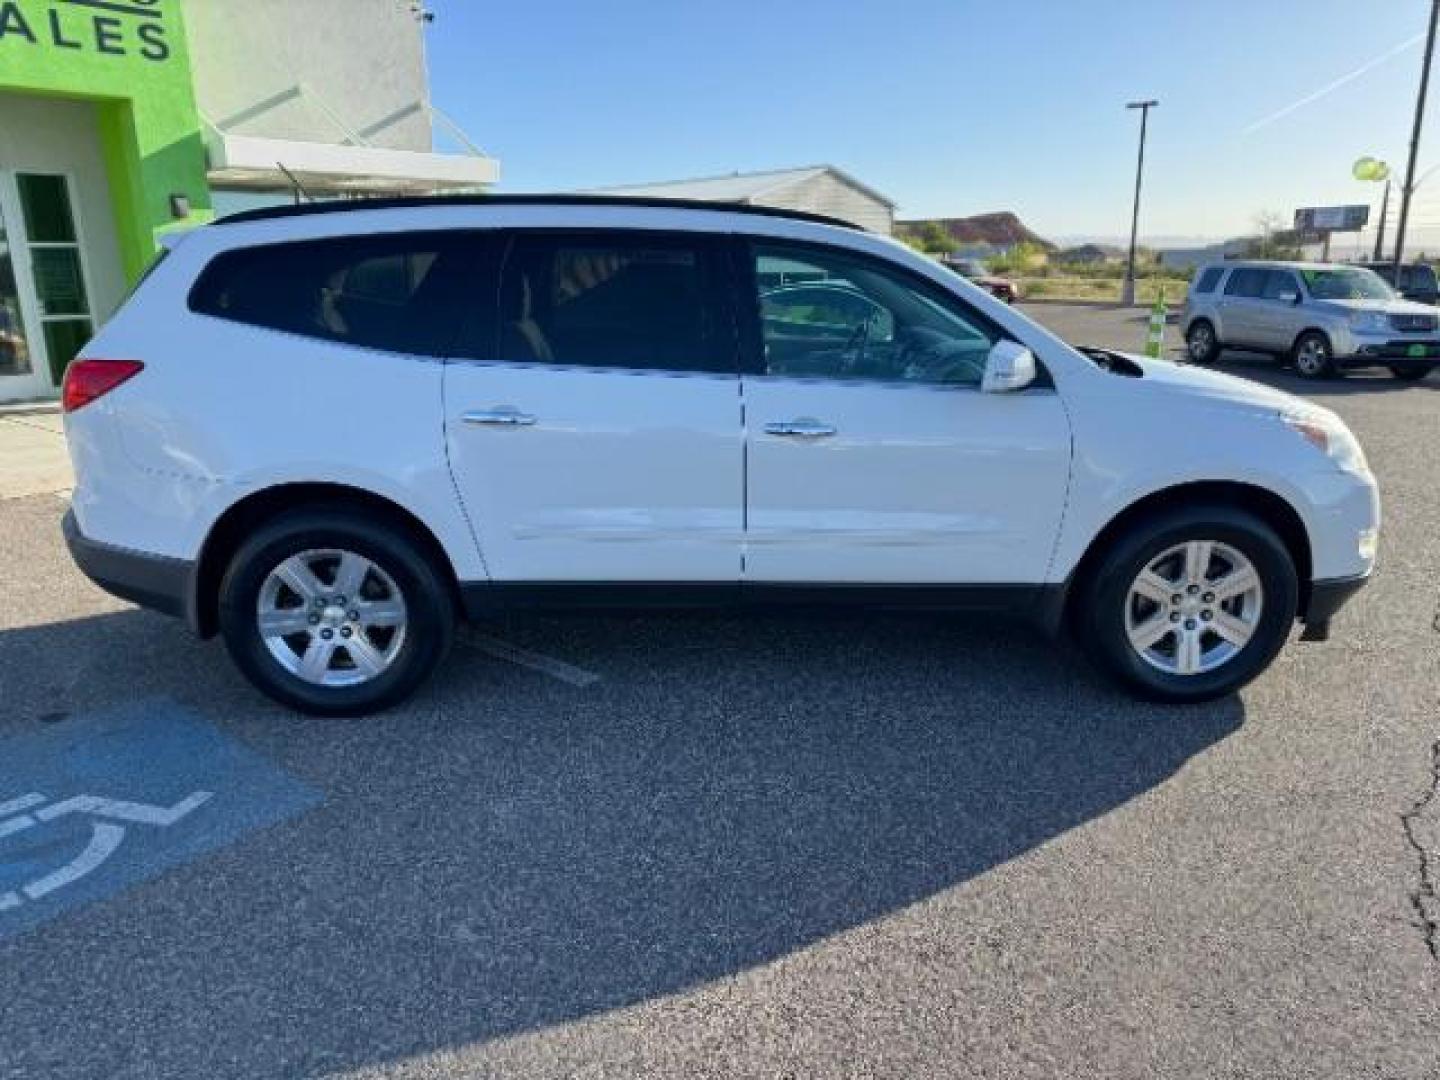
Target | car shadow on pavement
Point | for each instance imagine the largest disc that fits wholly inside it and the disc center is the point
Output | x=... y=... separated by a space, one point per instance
x=510 y=852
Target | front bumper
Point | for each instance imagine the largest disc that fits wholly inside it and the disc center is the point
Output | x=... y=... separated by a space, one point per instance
x=1399 y=351
x=157 y=582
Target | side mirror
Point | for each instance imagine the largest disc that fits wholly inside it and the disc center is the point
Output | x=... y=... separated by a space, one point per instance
x=1009 y=367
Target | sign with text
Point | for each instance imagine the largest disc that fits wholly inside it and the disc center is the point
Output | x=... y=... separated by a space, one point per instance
x=1323 y=219
x=105 y=27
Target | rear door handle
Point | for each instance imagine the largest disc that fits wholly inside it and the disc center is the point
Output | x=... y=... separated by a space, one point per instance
x=505 y=416
x=804 y=428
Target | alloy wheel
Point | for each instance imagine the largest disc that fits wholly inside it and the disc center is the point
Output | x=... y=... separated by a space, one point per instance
x=1202 y=341
x=1312 y=358
x=1194 y=607
x=331 y=617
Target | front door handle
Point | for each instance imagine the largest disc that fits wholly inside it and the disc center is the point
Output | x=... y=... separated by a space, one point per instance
x=505 y=416
x=804 y=428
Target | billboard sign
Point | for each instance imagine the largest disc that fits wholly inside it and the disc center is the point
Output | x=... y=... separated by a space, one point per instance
x=1323 y=219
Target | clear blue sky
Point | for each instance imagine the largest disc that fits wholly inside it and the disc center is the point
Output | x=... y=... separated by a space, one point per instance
x=951 y=107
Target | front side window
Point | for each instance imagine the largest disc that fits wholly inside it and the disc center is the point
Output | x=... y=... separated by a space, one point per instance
x=827 y=314
x=395 y=293
x=1347 y=283
x=615 y=300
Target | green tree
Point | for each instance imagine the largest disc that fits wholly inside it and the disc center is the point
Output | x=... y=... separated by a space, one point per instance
x=931 y=238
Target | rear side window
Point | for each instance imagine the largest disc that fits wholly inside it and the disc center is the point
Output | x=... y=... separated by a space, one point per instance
x=397 y=293
x=615 y=300
x=1209 y=279
x=1246 y=281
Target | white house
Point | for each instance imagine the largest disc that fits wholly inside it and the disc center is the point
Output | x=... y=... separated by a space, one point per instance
x=818 y=189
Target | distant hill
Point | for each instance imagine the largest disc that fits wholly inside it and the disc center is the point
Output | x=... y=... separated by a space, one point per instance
x=1000 y=229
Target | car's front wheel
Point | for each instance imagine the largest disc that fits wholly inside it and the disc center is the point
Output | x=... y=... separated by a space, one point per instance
x=1313 y=356
x=1189 y=605
x=335 y=613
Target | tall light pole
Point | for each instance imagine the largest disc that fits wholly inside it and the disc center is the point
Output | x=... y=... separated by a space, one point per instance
x=1409 y=188
x=1127 y=293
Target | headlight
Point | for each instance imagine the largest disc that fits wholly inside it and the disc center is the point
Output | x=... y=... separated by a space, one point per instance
x=1369 y=322
x=1330 y=436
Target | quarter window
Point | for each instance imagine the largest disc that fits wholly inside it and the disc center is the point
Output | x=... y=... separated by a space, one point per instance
x=1245 y=281
x=395 y=293
x=615 y=300
x=831 y=315
x=1209 y=278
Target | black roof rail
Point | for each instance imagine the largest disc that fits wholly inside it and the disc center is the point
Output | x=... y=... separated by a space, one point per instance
x=406 y=202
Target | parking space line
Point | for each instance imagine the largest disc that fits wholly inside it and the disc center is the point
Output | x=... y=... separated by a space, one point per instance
x=546 y=665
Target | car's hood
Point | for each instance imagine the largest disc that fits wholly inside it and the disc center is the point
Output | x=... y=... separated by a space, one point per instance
x=1390 y=307
x=1204 y=383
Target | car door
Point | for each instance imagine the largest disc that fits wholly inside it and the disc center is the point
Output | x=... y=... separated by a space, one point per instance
x=1276 y=314
x=594 y=423
x=1239 y=303
x=873 y=456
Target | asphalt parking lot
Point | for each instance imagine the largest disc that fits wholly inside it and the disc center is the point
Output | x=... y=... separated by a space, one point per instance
x=688 y=845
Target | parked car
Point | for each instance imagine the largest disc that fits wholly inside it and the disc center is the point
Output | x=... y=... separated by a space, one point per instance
x=1417 y=280
x=325 y=432
x=1322 y=317
x=998 y=287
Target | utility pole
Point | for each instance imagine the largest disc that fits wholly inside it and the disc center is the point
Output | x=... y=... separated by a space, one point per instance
x=1127 y=293
x=1409 y=188
x=1380 y=233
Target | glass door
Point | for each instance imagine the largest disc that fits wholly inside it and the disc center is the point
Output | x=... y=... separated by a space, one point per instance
x=19 y=367
x=45 y=312
x=61 y=297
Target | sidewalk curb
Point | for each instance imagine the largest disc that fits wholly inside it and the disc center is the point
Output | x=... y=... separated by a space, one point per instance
x=30 y=408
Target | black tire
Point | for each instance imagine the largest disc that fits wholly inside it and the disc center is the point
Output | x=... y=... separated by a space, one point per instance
x=1202 y=345
x=1411 y=373
x=1103 y=595
x=429 y=607
x=1313 y=356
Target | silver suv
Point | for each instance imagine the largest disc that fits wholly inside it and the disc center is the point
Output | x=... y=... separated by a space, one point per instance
x=1322 y=316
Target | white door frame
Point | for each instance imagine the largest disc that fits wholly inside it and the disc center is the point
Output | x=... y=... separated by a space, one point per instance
x=36 y=383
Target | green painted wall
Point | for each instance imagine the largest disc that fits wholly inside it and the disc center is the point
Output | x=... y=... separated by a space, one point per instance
x=130 y=57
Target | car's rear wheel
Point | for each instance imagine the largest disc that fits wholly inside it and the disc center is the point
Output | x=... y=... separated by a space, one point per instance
x=1189 y=605
x=1411 y=373
x=335 y=613
x=1313 y=356
x=1201 y=344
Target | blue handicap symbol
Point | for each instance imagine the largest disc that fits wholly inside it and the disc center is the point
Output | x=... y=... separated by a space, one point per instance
x=105 y=800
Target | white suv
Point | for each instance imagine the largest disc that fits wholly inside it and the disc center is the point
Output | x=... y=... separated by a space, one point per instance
x=327 y=431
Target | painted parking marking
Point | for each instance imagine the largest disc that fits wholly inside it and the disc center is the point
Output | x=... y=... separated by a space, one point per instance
x=546 y=665
x=107 y=800
x=24 y=802
x=105 y=839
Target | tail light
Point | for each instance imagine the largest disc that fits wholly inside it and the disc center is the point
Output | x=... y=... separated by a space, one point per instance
x=86 y=380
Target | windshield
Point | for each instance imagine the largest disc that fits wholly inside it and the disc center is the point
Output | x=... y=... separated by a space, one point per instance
x=1346 y=283
x=970 y=269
